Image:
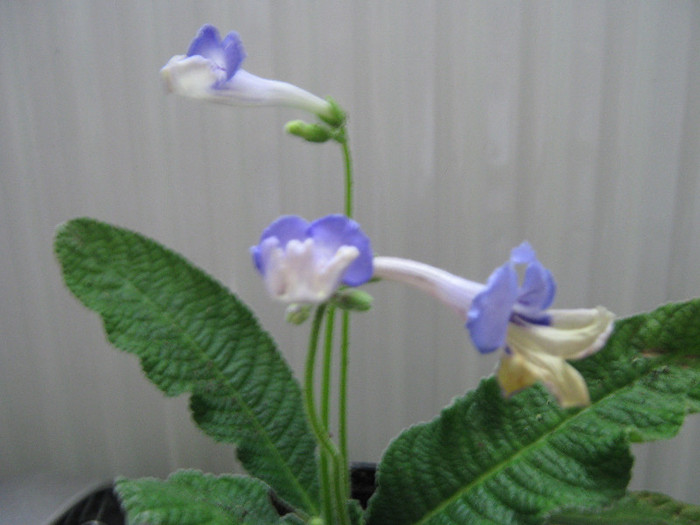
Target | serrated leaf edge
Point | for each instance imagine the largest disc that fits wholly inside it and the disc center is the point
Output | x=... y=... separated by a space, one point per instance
x=64 y=230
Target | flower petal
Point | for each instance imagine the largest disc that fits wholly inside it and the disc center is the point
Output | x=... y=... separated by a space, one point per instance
x=334 y=231
x=299 y=273
x=572 y=334
x=305 y=263
x=207 y=42
x=491 y=310
x=234 y=52
x=517 y=371
x=190 y=76
x=537 y=290
x=524 y=253
x=284 y=229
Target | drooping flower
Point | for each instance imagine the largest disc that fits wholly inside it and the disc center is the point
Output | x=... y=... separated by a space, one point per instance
x=211 y=71
x=513 y=314
x=305 y=262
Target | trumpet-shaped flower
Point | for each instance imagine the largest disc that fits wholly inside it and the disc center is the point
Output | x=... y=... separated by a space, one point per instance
x=513 y=314
x=211 y=71
x=306 y=263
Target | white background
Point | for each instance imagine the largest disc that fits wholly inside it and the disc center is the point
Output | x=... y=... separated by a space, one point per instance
x=474 y=125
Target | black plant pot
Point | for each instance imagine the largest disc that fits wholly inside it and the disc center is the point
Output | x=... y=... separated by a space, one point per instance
x=101 y=507
x=362 y=482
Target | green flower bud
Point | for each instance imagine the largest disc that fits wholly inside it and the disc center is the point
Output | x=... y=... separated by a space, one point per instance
x=297 y=313
x=353 y=299
x=309 y=132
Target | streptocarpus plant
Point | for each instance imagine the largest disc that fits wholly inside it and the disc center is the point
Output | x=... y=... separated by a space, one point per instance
x=543 y=441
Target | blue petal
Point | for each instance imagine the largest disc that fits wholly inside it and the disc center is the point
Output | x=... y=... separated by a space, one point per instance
x=285 y=229
x=491 y=310
x=538 y=289
x=227 y=54
x=206 y=43
x=523 y=254
x=332 y=232
x=257 y=258
x=234 y=53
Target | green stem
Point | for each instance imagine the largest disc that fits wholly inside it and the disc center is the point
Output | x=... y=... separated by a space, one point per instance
x=343 y=399
x=335 y=494
x=316 y=426
x=348 y=174
x=327 y=366
x=345 y=337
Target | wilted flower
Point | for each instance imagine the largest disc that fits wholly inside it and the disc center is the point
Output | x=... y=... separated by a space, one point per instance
x=211 y=71
x=515 y=316
x=306 y=263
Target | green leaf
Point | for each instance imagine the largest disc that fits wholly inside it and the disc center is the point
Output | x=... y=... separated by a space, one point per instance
x=638 y=508
x=486 y=459
x=189 y=497
x=193 y=335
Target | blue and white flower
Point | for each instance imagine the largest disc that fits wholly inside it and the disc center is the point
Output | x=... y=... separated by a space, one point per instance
x=513 y=314
x=305 y=262
x=211 y=71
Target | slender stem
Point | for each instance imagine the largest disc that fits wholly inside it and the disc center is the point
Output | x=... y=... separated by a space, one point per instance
x=348 y=175
x=317 y=427
x=345 y=338
x=326 y=499
x=335 y=494
x=343 y=398
x=327 y=366
x=326 y=387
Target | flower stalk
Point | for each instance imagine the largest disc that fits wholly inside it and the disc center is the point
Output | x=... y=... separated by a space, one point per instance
x=333 y=494
x=345 y=329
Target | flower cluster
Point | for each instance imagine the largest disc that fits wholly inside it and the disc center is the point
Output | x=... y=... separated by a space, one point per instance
x=305 y=263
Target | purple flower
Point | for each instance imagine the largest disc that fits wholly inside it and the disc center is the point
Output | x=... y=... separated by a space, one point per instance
x=504 y=301
x=211 y=71
x=512 y=314
x=306 y=263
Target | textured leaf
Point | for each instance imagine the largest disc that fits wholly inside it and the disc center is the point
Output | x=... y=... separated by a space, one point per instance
x=193 y=335
x=638 y=508
x=490 y=460
x=189 y=497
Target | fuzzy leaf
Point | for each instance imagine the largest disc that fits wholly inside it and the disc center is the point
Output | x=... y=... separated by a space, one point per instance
x=486 y=459
x=193 y=335
x=638 y=508
x=189 y=497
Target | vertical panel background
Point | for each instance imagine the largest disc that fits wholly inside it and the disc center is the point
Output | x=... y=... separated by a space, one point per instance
x=475 y=124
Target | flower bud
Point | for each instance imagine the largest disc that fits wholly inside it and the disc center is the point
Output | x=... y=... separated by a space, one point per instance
x=353 y=299
x=297 y=313
x=309 y=132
